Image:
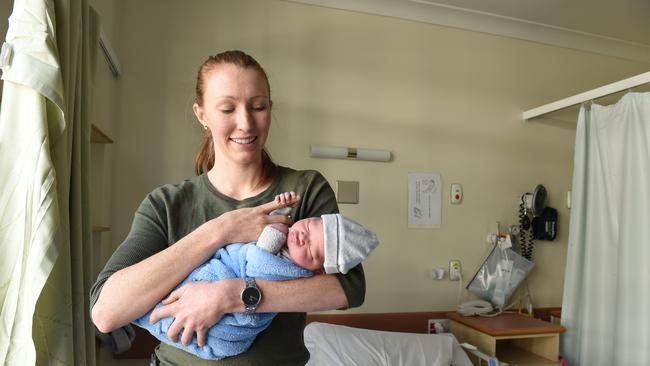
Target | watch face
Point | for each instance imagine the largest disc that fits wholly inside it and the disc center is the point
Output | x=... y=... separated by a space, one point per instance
x=251 y=296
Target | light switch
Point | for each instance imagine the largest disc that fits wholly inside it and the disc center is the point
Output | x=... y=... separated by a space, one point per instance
x=347 y=191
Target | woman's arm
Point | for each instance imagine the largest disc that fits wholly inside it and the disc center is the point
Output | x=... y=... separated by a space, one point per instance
x=318 y=293
x=132 y=291
x=197 y=306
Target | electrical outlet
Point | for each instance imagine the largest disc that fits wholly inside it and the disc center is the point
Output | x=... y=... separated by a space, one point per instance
x=437 y=326
x=454 y=270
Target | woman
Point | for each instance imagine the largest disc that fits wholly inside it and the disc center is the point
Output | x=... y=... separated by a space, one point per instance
x=178 y=227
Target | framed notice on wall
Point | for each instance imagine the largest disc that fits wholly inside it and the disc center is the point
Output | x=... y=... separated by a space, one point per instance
x=424 y=200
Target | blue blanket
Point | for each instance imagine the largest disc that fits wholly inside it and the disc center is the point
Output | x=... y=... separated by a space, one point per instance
x=234 y=333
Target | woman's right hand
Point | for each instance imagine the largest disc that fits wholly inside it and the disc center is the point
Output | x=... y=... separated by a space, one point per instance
x=245 y=224
x=197 y=306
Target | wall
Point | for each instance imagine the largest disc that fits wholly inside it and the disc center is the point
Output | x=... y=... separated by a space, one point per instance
x=5 y=11
x=441 y=99
x=104 y=116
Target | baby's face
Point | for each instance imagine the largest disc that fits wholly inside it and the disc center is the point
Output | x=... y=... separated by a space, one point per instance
x=306 y=243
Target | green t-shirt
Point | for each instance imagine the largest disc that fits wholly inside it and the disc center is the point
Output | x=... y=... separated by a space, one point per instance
x=172 y=211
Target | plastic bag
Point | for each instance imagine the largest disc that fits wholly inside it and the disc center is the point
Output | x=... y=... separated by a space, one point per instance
x=500 y=274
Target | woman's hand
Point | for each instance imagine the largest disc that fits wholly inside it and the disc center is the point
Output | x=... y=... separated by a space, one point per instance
x=197 y=306
x=245 y=224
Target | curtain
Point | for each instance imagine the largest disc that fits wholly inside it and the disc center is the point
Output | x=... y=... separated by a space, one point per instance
x=606 y=293
x=45 y=233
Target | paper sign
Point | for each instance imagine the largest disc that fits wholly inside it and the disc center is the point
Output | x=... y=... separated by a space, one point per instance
x=424 y=200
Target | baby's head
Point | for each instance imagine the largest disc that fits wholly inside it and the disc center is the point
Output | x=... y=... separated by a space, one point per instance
x=330 y=242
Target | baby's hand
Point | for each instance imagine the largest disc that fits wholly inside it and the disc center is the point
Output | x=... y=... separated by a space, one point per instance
x=288 y=199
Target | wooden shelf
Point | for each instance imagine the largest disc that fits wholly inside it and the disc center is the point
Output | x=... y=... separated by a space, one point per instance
x=98 y=136
x=100 y=229
x=514 y=355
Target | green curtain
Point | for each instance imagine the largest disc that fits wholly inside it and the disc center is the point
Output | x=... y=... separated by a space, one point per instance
x=45 y=231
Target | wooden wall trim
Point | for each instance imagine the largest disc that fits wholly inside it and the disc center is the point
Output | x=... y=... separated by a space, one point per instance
x=416 y=322
x=410 y=322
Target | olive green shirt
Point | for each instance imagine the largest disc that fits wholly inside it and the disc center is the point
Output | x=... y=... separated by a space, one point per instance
x=172 y=211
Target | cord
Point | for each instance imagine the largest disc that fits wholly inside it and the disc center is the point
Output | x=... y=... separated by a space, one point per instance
x=460 y=289
x=484 y=309
x=470 y=308
x=480 y=308
x=526 y=243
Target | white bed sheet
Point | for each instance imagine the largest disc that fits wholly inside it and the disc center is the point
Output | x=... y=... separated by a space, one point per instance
x=332 y=345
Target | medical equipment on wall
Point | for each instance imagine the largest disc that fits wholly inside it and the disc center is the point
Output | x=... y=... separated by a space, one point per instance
x=537 y=221
x=500 y=274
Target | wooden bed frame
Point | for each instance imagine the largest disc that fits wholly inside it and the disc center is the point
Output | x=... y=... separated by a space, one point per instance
x=412 y=322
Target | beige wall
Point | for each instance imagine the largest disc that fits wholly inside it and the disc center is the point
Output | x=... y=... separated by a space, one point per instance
x=442 y=100
x=5 y=11
x=104 y=116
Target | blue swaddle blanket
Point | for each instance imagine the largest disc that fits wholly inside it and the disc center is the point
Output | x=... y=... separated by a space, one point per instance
x=235 y=332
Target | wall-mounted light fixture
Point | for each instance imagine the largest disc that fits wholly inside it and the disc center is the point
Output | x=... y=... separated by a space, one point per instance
x=349 y=153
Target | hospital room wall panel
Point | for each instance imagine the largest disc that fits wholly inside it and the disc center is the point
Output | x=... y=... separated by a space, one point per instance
x=440 y=99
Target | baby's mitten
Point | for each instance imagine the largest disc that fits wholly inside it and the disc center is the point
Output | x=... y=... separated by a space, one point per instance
x=273 y=238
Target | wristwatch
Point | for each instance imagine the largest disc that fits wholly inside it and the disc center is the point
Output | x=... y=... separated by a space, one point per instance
x=251 y=296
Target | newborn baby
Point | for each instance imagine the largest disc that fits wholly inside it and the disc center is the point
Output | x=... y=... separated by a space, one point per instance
x=314 y=243
x=330 y=243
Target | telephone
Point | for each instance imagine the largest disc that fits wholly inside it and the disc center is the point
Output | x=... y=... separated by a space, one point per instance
x=474 y=307
x=543 y=224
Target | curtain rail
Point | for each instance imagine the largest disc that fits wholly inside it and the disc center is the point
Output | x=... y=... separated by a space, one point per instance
x=109 y=54
x=588 y=95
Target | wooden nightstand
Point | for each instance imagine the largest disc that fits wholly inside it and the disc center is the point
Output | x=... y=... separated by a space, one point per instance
x=512 y=338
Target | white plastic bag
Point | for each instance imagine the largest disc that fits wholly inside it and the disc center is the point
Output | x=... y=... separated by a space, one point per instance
x=500 y=274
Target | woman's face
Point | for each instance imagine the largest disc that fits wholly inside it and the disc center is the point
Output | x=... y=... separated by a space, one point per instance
x=237 y=110
x=306 y=243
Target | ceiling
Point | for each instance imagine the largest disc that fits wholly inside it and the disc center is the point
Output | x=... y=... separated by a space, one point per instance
x=619 y=28
x=627 y=20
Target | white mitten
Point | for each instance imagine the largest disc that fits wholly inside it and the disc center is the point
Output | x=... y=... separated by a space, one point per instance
x=272 y=238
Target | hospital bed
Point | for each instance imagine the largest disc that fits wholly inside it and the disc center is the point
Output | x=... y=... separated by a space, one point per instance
x=394 y=339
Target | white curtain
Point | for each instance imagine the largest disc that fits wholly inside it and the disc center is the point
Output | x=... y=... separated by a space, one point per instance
x=45 y=241
x=606 y=302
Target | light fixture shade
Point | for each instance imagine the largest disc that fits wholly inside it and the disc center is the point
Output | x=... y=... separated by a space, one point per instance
x=349 y=153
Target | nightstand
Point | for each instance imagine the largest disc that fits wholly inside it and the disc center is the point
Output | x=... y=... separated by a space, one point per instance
x=512 y=338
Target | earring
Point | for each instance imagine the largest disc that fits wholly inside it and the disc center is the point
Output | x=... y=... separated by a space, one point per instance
x=205 y=127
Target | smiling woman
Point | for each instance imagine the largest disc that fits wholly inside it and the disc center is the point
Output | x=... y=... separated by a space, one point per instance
x=236 y=112
x=233 y=103
x=178 y=227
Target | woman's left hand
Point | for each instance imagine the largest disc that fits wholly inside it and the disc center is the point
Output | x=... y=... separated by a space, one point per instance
x=196 y=307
